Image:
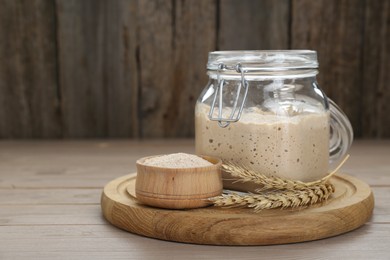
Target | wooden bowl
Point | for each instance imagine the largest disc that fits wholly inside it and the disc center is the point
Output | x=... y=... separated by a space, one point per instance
x=178 y=188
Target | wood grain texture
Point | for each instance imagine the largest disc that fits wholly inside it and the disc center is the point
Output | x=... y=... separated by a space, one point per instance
x=97 y=54
x=29 y=102
x=195 y=33
x=175 y=38
x=156 y=39
x=51 y=215
x=254 y=25
x=376 y=67
x=121 y=69
x=50 y=218
x=81 y=61
x=91 y=164
x=49 y=196
x=349 y=208
x=20 y=198
x=134 y=68
x=178 y=188
x=334 y=29
x=108 y=242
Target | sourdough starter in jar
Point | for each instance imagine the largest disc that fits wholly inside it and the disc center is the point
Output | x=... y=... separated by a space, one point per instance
x=292 y=147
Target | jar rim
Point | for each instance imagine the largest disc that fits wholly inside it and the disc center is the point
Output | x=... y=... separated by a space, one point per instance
x=262 y=60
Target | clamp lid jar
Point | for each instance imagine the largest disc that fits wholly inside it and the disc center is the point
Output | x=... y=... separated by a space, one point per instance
x=265 y=110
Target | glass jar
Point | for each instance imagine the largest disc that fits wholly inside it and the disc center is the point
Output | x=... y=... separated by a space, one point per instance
x=264 y=110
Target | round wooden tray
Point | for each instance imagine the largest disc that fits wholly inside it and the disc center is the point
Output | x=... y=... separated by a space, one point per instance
x=349 y=208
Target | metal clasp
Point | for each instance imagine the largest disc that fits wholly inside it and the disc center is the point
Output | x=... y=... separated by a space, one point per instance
x=234 y=114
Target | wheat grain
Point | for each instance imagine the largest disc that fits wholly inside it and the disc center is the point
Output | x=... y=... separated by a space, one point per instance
x=244 y=174
x=275 y=192
x=276 y=199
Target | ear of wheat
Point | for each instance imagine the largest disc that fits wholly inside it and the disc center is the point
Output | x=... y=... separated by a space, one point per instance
x=275 y=192
x=244 y=174
x=276 y=199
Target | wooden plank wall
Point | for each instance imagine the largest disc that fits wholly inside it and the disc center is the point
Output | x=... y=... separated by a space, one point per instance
x=134 y=68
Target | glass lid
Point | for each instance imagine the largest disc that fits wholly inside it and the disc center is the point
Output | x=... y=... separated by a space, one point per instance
x=267 y=60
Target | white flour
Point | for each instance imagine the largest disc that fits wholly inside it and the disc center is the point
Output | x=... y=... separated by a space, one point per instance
x=177 y=160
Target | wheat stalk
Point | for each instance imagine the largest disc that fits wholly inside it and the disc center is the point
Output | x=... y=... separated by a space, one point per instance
x=273 y=182
x=276 y=199
x=275 y=192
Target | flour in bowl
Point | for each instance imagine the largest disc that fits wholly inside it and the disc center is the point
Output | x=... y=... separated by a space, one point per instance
x=177 y=160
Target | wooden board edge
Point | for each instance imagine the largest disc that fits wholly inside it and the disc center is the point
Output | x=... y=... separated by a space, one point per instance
x=114 y=212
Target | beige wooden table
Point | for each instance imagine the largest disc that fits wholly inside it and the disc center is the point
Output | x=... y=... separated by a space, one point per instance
x=50 y=195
